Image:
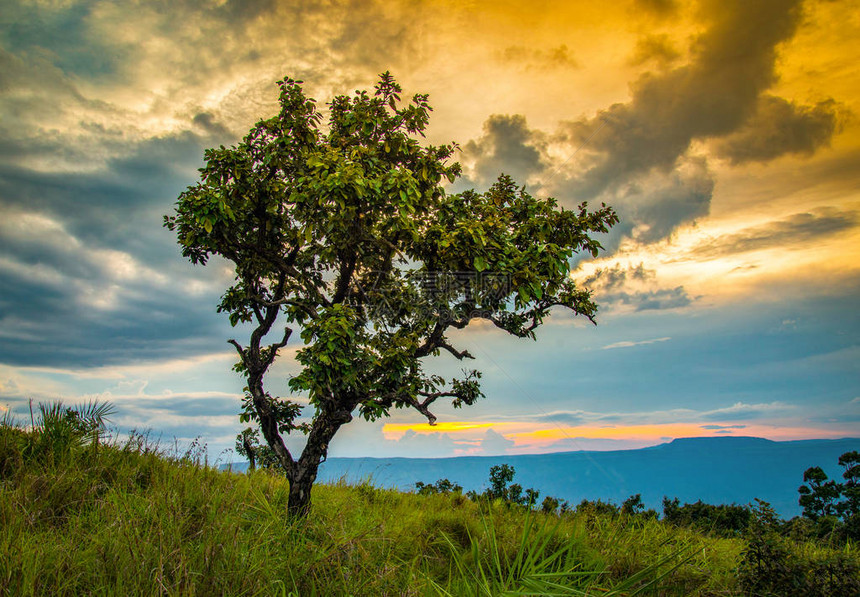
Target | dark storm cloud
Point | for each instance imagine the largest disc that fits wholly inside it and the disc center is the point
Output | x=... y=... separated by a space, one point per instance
x=118 y=206
x=635 y=155
x=779 y=127
x=507 y=146
x=796 y=231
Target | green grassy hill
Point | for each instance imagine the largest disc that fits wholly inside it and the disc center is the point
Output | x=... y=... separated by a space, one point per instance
x=83 y=517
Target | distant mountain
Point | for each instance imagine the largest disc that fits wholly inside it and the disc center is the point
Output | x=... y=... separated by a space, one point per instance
x=720 y=470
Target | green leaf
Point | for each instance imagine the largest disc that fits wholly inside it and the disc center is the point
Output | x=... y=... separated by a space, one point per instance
x=480 y=264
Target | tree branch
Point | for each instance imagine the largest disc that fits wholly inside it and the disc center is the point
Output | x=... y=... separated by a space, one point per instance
x=460 y=354
x=286 y=301
x=346 y=270
x=422 y=408
x=239 y=348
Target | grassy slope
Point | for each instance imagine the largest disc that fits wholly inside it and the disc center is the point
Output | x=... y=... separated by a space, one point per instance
x=129 y=521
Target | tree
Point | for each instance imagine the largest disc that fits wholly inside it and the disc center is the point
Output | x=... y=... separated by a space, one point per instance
x=345 y=233
x=819 y=495
x=444 y=486
x=633 y=505
x=850 y=506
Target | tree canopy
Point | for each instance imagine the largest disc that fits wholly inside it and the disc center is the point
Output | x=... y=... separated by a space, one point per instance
x=344 y=232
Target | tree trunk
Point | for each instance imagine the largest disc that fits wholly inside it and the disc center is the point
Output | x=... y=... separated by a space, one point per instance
x=299 y=503
x=304 y=473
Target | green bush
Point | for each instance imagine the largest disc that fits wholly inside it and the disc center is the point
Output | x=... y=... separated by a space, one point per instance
x=773 y=565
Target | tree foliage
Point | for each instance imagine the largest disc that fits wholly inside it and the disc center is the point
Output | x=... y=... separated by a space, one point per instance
x=345 y=232
x=834 y=507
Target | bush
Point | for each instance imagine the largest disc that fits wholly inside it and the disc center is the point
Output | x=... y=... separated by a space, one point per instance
x=724 y=520
x=443 y=486
x=771 y=564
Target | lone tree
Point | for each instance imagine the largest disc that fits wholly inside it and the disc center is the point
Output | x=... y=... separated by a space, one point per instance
x=345 y=233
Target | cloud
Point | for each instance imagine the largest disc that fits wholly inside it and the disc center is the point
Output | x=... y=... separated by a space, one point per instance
x=68 y=303
x=576 y=417
x=613 y=278
x=660 y=8
x=648 y=157
x=630 y=343
x=657 y=204
x=742 y=411
x=703 y=418
x=733 y=62
x=794 y=232
x=494 y=443
x=507 y=146
x=208 y=125
x=558 y=57
x=638 y=156
x=634 y=286
x=779 y=127
x=665 y=298
x=657 y=48
x=417 y=444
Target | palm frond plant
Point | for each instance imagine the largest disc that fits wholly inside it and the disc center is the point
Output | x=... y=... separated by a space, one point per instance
x=60 y=429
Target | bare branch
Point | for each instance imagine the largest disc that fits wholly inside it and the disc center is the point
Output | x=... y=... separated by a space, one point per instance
x=460 y=354
x=273 y=348
x=287 y=333
x=422 y=408
x=239 y=348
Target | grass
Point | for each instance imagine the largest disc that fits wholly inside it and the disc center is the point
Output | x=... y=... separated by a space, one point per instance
x=126 y=518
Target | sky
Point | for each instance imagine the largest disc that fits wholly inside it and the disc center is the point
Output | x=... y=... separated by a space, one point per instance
x=726 y=134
